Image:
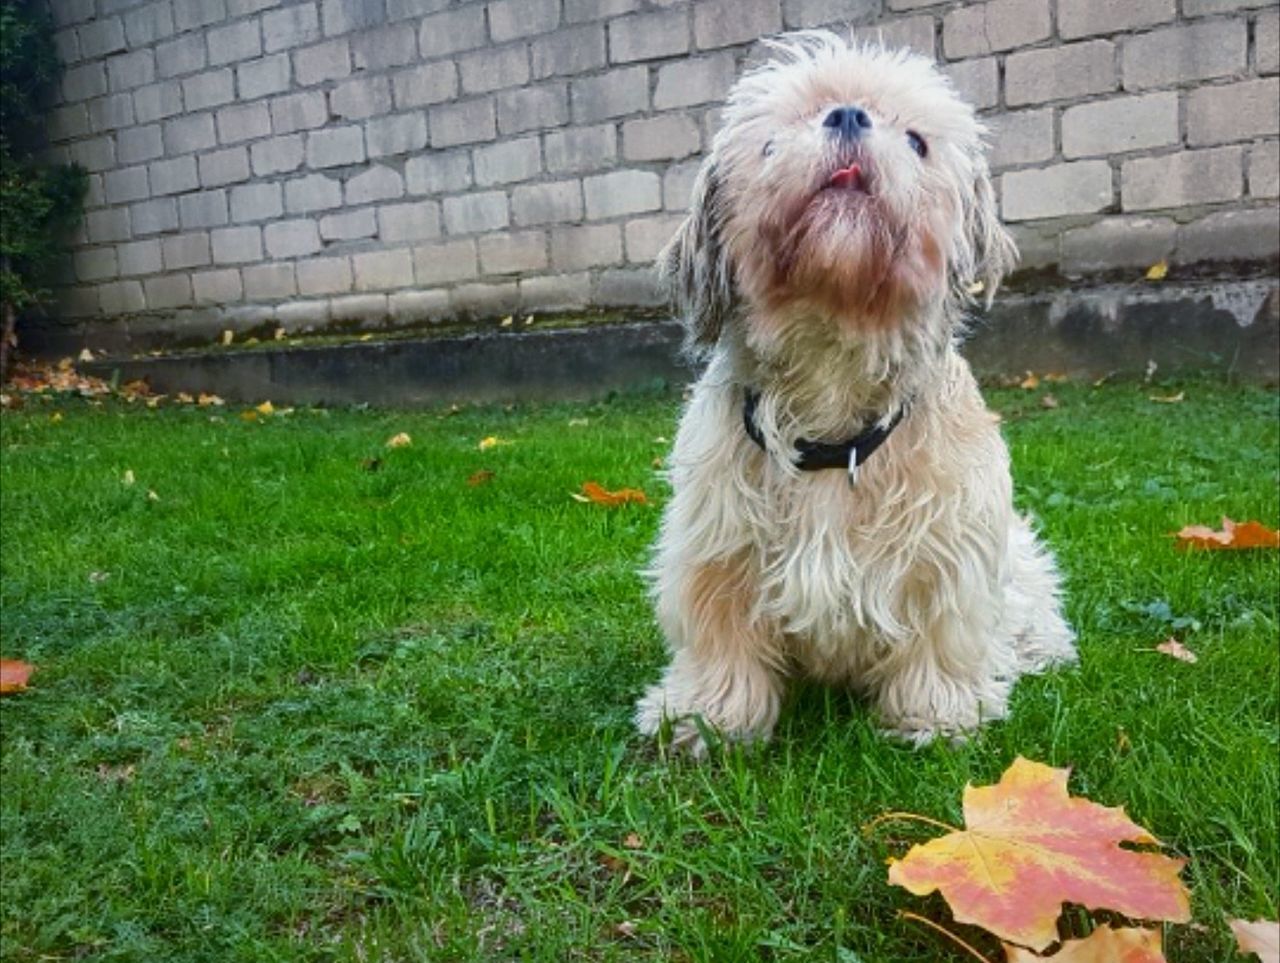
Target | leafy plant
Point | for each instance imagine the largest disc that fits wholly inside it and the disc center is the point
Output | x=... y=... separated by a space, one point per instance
x=39 y=202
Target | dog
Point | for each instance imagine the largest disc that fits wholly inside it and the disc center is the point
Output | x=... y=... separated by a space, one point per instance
x=841 y=502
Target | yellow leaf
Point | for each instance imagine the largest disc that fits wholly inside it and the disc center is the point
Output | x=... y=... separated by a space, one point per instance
x=976 y=288
x=84 y=355
x=228 y=336
x=1158 y=271
x=183 y=398
x=507 y=321
x=366 y=337
x=248 y=415
x=266 y=408
x=1030 y=383
x=1103 y=945
x=279 y=335
x=56 y=417
x=492 y=441
x=206 y=400
x=152 y=496
x=128 y=476
x=400 y=440
x=1169 y=399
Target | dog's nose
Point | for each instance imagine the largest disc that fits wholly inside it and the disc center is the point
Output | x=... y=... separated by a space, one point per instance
x=848 y=122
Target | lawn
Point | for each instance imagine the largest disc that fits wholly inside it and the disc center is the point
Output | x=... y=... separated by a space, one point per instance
x=318 y=699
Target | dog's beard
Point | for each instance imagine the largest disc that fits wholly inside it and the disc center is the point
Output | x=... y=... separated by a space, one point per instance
x=852 y=256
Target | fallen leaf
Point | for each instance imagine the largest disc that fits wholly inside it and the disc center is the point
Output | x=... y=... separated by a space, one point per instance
x=626 y=928
x=127 y=477
x=1175 y=649
x=1261 y=937
x=248 y=415
x=1029 y=847
x=400 y=440
x=1158 y=271
x=228 y=336
x=266 y=408
x=366 y=337
x=976 y=288
x=657 y=462
x=578 y=422
x=1169 y=399
x=1122 y=740
x=528 y=320
x=207 y=400
x=56 y=417
x=1055 y=377
x=109 y=773
x=1048 y=401
x=633 y=841
x=491 y=441
x=84 y=355
x=507 y=321
x=1030 y=383
x=1103 y=945
x=183 y=398
x=279 y=335
x=14 y=675
x=152 y=496
x=480 y=477
x=594 y=492
x=1234 y=535
x=1152 y=367
x=97 y=578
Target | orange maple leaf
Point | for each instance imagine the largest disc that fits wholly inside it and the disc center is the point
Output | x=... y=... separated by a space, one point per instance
x=14 y=675
x=1260 y=936
x=1103 y=945
x=598 y=494
x=1234 y=535
x=1030 y=847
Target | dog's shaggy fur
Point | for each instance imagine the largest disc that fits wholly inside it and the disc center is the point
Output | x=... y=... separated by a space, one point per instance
x=839 y=300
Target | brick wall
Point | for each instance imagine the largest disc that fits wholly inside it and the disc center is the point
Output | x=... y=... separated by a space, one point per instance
x=306 y=162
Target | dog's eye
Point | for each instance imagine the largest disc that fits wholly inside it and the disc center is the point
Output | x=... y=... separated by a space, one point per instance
x=768 y=148
x=917 y=143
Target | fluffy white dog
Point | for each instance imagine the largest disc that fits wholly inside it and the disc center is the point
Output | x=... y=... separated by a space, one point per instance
x=838 y=228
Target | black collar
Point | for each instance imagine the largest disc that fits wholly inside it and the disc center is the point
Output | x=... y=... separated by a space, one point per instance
x=816 y=455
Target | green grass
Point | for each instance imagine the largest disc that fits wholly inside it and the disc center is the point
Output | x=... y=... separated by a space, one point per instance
x=321 y=708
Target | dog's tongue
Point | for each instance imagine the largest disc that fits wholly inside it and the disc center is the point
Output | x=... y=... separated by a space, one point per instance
x=850 y=176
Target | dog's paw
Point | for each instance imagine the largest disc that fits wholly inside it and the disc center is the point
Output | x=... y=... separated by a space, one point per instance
x=686 y=731
x=920 y=733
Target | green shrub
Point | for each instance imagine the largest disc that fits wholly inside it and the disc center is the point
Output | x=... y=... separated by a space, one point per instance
x=39 y=202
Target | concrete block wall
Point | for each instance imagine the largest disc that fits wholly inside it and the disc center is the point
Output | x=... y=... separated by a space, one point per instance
x=383 y=162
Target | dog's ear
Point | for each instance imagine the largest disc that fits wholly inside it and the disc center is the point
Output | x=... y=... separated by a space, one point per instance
x=987 y=252
x=695 y=264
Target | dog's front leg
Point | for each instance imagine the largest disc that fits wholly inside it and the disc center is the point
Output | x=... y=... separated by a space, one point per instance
x=954 y=676
x=727 y=668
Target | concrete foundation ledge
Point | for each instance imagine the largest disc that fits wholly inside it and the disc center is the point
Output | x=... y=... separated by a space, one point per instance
x=1232 y=327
